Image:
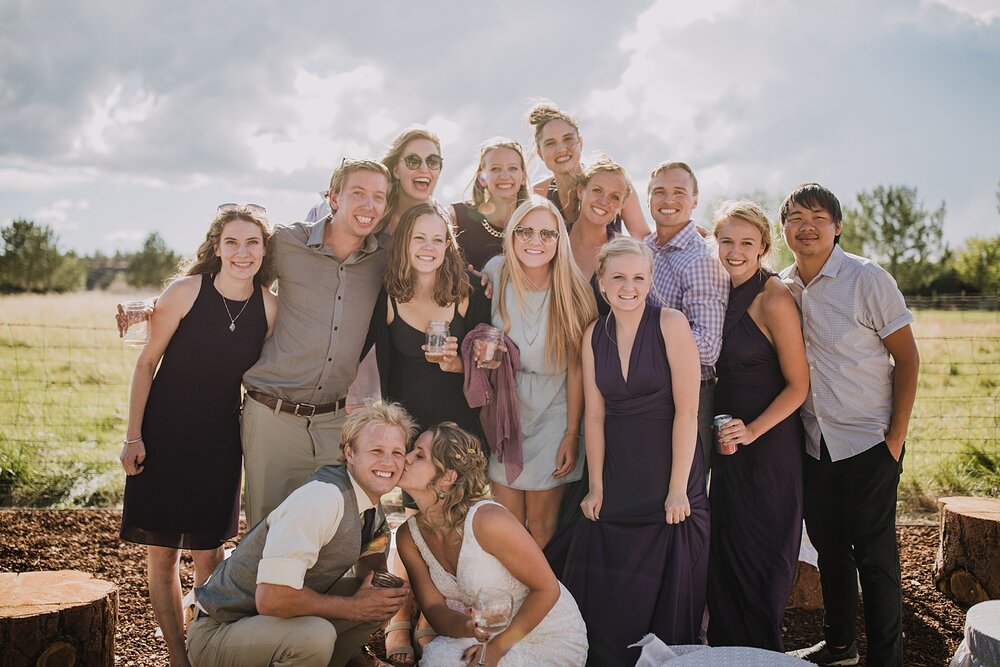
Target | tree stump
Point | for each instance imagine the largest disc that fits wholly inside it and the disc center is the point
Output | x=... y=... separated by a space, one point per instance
x=57 y=619
x=806 y=590
x=967 y=567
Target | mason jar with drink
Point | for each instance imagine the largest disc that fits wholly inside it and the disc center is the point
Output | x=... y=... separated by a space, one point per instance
x=492 y=349
x=437 y=334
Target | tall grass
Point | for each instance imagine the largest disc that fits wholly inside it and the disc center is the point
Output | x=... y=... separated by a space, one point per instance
x=64 y=379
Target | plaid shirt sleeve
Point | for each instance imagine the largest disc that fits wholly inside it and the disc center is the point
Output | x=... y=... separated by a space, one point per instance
x=704 y=301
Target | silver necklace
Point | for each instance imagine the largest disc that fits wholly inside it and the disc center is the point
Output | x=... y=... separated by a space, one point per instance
x=232 y=320
x=532 y=326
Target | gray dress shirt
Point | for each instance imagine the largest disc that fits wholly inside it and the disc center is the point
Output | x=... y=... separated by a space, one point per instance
x=324 y=307
x=847 y=309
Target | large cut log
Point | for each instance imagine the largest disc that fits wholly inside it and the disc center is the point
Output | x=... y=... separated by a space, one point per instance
x=57 y=619
x=967 y=567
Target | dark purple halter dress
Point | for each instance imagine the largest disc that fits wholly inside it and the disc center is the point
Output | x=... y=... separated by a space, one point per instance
x=631 y=572
x=756 y=492
x=188 y=494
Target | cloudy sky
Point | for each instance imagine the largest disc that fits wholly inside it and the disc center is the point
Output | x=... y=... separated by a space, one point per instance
x=121 y=118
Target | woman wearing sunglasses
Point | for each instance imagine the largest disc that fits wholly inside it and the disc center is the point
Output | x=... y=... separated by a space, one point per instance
x=499 y=186
x=182 y=449
x=542 y=302
x=414 y=161
x=559 y=144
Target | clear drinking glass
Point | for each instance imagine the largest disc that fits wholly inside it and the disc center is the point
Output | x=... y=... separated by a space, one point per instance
x=437 y=332
x=137 y=333
x=493 y=610
x=492 y=352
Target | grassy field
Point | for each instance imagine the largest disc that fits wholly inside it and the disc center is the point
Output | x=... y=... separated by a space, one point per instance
x=64 y=378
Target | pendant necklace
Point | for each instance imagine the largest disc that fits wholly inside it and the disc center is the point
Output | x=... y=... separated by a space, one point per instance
x=527 y=325
x=232 y=320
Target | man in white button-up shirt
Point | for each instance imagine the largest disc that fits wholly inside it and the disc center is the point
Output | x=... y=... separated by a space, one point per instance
x=863 y=366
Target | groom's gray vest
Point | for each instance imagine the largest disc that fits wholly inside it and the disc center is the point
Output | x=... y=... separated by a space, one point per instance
x=229 y=594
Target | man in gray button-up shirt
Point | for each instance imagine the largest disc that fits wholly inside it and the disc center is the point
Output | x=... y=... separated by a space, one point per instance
x=329 y=275
x=863 y=366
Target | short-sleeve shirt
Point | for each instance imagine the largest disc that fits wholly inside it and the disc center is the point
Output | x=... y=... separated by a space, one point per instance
x=689 y=278
x=324 y=306
x=847 y=310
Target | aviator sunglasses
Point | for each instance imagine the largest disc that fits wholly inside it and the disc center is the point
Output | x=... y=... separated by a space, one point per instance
x=413 y=161
x=525 y=234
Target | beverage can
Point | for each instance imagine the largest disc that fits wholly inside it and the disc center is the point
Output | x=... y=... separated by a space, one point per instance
x=723 y=448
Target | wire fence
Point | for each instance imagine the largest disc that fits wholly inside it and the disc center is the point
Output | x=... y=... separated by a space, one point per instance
x=64 y=398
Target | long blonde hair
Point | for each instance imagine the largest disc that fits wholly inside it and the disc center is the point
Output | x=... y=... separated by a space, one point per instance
x=571 y=302
x=455 y=449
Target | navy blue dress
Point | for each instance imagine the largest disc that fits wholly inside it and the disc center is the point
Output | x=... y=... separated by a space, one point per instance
x=756 y=492
x=631 y=572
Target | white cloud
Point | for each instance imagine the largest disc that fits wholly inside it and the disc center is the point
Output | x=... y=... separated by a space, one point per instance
x=124 y=238
x=59 y=214
x=109 y=118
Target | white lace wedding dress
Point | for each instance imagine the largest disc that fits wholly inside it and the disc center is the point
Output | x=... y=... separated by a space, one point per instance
x=561 y=637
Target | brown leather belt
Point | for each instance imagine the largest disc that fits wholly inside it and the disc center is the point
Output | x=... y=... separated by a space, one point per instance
x=297 y=409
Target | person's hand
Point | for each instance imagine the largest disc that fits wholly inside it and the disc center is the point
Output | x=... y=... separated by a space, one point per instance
x=494 y=650
x=591 y=504
x=484 y=280
x=377 y=604
x=735 y=432
x=132 y=457
x=450 y=362
x=567 y=455
x=895 y=444
x=123 y=321
x=677 y=507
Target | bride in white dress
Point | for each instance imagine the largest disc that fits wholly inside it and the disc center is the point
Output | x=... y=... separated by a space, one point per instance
x=460 y=542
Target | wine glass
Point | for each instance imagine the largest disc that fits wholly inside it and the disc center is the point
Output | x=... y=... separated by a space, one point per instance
x=493 y=610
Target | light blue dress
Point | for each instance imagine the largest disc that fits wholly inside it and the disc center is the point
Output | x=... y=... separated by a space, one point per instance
x=541 y=391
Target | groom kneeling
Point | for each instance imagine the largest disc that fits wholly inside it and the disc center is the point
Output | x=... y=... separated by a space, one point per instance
x=288 y=594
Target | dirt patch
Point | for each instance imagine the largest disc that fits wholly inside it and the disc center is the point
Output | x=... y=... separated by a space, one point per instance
x=88 y=540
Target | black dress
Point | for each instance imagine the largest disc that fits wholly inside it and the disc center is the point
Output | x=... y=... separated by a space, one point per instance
x=756 y=492
x=631 y=572
x=479 y=240
x=429 y=394
x=188 y=494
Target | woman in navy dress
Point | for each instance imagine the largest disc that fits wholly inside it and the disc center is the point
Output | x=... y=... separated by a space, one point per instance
x=757 y=491
x=640 y=563
x=182 y=448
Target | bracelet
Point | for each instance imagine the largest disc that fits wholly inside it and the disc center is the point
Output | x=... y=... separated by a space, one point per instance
x=133 y=441
x=567 y=434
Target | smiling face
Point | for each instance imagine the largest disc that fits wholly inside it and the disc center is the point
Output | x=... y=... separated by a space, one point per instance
x=428 y=243
x=502 y=173
x=602 y=198
x=809 y=231
x=535 y=253
x=417 y=183
x=376 y=458
x=671 y=200
x=625 y=281
x=559 y=146
x=740 y=248
x=361 y=202
x=241 y=249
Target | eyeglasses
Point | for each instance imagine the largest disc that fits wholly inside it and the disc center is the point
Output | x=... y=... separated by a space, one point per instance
x=255 y=210
x=546 y=236
x=413 y=161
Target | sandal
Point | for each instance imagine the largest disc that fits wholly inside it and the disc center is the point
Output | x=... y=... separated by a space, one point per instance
x=403 y=649
x=421 y=633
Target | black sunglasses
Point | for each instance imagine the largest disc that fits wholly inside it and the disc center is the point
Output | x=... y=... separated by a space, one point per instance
x=413 y=161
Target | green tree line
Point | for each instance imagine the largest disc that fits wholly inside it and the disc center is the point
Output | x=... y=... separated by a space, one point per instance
x=889 y=224
x=33 y=262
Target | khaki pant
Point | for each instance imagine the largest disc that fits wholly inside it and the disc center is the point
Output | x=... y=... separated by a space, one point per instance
x=280 y=451
x=266 y=641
